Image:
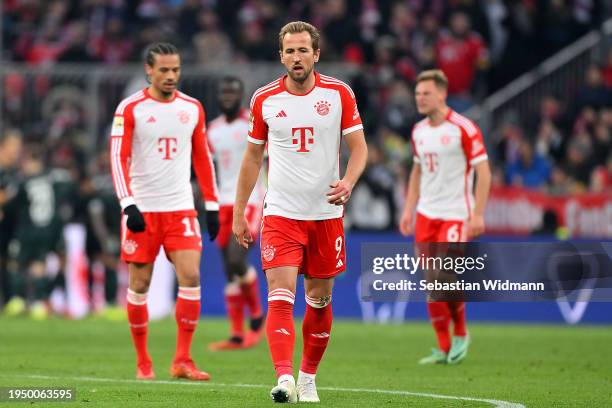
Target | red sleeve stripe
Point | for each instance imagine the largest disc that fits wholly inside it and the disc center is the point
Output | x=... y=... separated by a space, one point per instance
x=117 y=169
x=464 y=123
x=333 y=81
x=124 y=103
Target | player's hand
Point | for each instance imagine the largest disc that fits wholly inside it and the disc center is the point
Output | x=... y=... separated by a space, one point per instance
x=476 y=226
x=340 y=192
x=135 y=221
x=405 y=224
x=241 y=231
x=212 y=224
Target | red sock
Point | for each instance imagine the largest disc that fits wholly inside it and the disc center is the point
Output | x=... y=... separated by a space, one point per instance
x=280 y=330
x=316 y=330
x=138 y=317
x=187 y=314
x=250 y=291
x=234 y=304
x=457 y=311
x=439 y=315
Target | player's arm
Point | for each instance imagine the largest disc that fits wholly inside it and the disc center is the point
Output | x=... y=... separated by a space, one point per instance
x=412 y=198
x=476 y=155
x=358 y=148
x=352 y=131
x=247 y=178
x=205 y=173
x=481 y=195
x=120 y=156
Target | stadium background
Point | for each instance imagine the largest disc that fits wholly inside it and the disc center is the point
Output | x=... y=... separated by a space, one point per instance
x=537 y=77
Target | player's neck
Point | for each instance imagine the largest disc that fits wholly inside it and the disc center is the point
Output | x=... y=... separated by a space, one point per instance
x=300 y=88
x=439 y=116
x=160 y=96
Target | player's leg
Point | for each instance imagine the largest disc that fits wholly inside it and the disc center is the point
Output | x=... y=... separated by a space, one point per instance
x=138 y=315
x=455 y=231
x=282 y=252
x=316 y=331
x=187 y=313
x=249 y=283
x=245 y=276
x=183 y=244
x=280 y=329
x=439 y=314
x=234 y=300
x=325 y=259
x=234 y=265
x=139 y=250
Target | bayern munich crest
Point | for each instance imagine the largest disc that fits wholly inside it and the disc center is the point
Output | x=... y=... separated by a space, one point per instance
x=129 y=247
x=183 y=117
x=268 y=253
x=322 y=107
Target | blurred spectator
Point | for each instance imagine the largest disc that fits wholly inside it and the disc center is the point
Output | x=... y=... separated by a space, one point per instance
x=529 y=170
x=594 y=93
x=601 y=179
x=578 y=165
x=461 y=54
x=211 y=45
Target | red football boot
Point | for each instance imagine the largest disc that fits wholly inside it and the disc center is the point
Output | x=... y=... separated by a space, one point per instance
x=145 y=372
x=187 y=369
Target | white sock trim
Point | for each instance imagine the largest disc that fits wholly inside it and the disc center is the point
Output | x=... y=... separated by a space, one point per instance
x=189 y=293
x=136 y=298
x=281 y=294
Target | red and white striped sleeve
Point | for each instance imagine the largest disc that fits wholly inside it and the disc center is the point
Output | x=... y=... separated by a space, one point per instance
x=203 y=164
x=121 y=151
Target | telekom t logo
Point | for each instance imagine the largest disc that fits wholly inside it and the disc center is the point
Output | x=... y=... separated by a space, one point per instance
x=431 y=161
x=167 y=146
x=303 y=138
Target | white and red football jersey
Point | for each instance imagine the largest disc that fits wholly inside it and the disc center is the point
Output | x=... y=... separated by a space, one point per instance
x=153 y=144
x=228 y=142
x=447 y=154
x=303 y=133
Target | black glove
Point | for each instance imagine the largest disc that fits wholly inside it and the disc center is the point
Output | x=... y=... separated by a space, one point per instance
x=135 y=221
x=212 y=224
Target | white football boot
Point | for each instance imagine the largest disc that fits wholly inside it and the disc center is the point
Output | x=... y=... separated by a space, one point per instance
x=306 y=388
x=285 y=390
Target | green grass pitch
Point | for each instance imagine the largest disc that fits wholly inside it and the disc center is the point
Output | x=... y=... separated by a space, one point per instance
x=532 y=365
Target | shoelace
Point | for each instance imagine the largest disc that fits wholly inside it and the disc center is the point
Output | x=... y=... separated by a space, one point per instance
x=308 y=386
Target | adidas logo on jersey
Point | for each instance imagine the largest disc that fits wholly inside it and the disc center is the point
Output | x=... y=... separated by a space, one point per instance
x=281 y=114
x=151 y=119
x=340 y=263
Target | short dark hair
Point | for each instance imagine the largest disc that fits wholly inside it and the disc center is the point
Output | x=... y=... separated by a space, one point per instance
x=161 y=48
x=298 y=27
x=229 y=79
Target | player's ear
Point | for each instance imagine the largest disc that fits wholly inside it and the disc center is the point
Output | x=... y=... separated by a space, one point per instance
x=148 y=69
x=280 y=54
x=317 y=53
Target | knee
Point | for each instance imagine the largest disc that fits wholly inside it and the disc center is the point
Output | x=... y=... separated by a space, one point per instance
x=140 y=285
x=318 y=299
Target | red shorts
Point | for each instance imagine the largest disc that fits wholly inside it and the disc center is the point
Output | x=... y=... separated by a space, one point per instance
x=226 y=217
x=316 y=247
x=428 y=230
x=176 y=230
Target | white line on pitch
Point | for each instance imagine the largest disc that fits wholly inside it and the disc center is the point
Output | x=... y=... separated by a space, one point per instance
x=494 y=402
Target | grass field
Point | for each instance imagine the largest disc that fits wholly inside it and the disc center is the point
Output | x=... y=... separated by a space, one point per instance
x=365 y=366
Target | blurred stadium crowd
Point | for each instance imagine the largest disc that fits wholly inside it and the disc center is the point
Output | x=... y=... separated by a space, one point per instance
x=562 y=148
